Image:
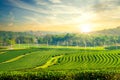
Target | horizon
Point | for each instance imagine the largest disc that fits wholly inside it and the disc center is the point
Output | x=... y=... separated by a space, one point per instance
x=62 y=31
x=59 y=15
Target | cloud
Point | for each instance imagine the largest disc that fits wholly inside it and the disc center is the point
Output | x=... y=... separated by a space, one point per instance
x=55 y=1
x=48 y=8
x=33 y=19
x=11 y=24
x=57 y=13
x=41 y=2
x=106 y=5
x=26 y=6
x=12 y=17
x=65 y=9
x=63 y=12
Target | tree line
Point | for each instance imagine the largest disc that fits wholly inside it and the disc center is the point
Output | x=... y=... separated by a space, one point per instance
x=65 y=39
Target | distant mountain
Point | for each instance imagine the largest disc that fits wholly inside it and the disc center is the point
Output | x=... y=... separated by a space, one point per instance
x=113 y=31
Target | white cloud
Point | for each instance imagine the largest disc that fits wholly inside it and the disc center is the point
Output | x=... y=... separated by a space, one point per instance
x=55 y=1
x=31 y=18
x=23 y=5
x=41 y=2
x=51 y=9
x=106 y=5
x=64 y=9
x=63 y=13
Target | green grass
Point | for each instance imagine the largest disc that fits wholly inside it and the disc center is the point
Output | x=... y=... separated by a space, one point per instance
x=24 y=46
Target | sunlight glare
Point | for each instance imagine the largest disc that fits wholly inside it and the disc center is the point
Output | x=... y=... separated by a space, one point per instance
x=85 y=28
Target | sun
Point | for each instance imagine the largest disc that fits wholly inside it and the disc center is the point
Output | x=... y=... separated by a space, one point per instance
x=85 y=28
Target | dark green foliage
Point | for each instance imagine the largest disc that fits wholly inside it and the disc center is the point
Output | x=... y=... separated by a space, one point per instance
x=112 y=47
x=59 y=76
x=66 y=39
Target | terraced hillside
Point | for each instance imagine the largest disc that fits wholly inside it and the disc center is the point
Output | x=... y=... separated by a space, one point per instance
x=59 y=59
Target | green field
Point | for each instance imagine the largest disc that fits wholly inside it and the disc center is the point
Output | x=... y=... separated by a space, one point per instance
x=60 y=60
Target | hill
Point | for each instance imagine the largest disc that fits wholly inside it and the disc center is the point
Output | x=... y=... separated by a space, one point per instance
x=113 y=31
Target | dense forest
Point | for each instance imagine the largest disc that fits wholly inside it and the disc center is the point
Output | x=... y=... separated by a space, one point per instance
x=64 y=39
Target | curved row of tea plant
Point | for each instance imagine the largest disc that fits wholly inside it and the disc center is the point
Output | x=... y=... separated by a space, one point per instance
x=70 y=59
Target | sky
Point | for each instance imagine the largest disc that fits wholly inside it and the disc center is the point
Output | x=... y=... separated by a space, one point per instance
x=59 y=15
